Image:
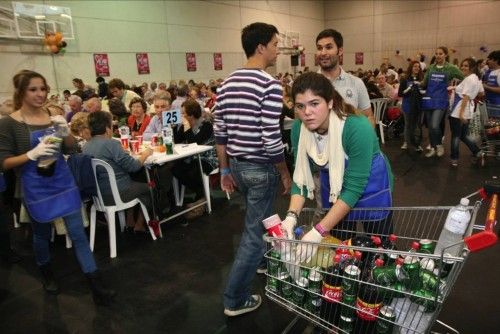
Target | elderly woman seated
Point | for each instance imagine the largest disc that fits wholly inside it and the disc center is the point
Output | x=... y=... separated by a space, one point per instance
x=102 y=146
x=195 y=129
x=138 y=120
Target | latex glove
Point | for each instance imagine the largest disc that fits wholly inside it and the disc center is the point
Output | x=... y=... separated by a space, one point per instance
x=42 y=149
x=305 y=251
x=288 y=226
x=61 y=123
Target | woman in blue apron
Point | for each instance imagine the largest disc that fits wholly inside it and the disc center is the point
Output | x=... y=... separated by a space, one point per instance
x=462 y=109
x=29 y=144
x=435 y=102
x=332 y=137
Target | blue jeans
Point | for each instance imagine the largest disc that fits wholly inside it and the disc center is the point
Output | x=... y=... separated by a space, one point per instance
x=258 y=183
x=434 y=118
x=74 y=226
x=459 y=133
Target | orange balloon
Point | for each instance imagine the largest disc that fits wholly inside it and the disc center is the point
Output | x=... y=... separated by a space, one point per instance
x=58 y=37
x=54 y=49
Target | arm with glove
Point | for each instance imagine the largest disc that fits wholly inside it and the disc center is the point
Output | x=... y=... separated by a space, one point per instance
x=63 y=129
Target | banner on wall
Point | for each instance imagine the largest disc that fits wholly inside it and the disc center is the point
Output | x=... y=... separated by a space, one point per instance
x=101 y=64
x=302 y=59
x=191 y=61
x=358 y=58
x=142 y=63
x=218 y=61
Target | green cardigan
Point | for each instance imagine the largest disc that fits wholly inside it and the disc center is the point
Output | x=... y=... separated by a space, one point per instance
x=360 y=144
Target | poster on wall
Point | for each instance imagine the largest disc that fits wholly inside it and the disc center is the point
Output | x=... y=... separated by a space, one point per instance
x=142 y=63
x=218 y=61
x=101 y=64
x=302 y=59
x=191 y=61
x=358 y=58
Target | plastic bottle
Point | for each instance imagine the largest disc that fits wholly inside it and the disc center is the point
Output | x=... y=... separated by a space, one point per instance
x=454 y=228
x=46 y=164
x=332 y=293
x=167 y=135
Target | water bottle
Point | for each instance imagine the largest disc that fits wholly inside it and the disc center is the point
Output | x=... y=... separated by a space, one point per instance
x=454 y=228
x=46 y=164
x=167 y=135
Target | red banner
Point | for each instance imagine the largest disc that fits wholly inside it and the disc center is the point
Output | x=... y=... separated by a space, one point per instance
x=142 y=63
x=191 y=61
x=358 y=58
x=218 y=61
x=101 y=64
x=302 y=59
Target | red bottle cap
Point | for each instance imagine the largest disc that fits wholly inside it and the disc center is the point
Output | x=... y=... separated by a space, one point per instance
x=376 y=240
x=358 y=255
x=400 y=261
x=337 y=258
x=415 y=245
x=379 y=262
x=393 y=238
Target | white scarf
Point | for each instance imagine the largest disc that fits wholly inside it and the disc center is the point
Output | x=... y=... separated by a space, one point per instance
x=333 y=154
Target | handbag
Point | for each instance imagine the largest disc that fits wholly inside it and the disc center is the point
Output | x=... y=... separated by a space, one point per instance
x=475 y=126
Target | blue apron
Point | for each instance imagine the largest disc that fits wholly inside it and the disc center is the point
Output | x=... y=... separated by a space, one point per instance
x=3 y=186
x=456 y=101
x=48 y=198
x=492 y=99
x=436 y=96
x=377 y=193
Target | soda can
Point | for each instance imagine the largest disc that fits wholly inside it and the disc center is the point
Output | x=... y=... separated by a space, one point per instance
x=445 y=266
x=272 y=284
x=427 y=264
x=432 y=282
x=349 y=285
x=412 y=267
x=285 y=287
x=427 y=246
x=392 y=259
x=169 y=148
x=347 y=311
x=384 y=275
x=347 y=323
x=386 y=319
x=303 y=270
x=274 y=265
x=313 y=304
x=425 y=298
x=315 y=281
x=299 y=291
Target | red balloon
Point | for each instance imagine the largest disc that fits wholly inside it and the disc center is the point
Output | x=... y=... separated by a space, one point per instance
x=54 y=49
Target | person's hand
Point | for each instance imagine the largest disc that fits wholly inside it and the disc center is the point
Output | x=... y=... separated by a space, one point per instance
x=43 y=148
x=463 y=120
x=227 y=183
x=61 y=123
x=307 y=248
x=288 y=225
x=146 y=153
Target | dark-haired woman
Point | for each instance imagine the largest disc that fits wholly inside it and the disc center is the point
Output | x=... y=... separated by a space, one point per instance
x=138 y=120
x=22 y=143
x=462 y=109
x=334 y=138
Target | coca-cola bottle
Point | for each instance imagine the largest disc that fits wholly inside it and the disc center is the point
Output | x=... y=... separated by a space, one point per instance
x=332 y=292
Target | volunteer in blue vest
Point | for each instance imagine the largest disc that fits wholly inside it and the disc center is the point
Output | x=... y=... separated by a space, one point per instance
x=492 y=84
x=336 y=139
x=435 y=102
x=23 y=141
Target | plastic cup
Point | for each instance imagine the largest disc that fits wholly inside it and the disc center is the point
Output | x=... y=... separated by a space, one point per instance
x=139 y=138
x=125 y=142
x=273 y=226
x=134 y=146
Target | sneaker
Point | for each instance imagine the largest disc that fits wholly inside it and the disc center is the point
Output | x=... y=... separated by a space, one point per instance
x=251 y=304
x=454 y=163
x=428 y=147
x=404 y=146
x=419 y=149
x=439 y=150
x=261 y=270
x=479 y=159
x=431 y=153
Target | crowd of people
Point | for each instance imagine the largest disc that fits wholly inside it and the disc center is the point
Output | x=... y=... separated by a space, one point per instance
x=242 y=117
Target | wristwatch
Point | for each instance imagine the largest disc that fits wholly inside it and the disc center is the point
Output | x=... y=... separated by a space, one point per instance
x=291 y=213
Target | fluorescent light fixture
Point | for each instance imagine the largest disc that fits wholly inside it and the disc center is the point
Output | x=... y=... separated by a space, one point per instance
x=40 y=17
x=53 y=7
x=66 y=16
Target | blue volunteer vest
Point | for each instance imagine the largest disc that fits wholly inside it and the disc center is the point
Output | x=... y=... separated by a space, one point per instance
x=3 y=186
x=436 y=96
x=491 y=97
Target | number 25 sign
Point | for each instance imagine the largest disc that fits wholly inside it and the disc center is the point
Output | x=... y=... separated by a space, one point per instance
x=171 y=117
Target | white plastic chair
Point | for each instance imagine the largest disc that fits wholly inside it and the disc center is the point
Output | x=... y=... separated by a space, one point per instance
x=110 y=210
x=379 y=108
x=180 y=188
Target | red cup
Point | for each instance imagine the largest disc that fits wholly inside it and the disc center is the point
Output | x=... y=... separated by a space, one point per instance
x=154 y=140
x=134 y=146
x=139 y=138
x=125 y=142
x=273 y=226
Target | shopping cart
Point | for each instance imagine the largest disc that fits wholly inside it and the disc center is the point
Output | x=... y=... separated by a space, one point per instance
x=491 y=138
x=407 y=299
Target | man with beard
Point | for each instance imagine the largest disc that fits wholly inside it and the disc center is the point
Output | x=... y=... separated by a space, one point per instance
x=329 y=47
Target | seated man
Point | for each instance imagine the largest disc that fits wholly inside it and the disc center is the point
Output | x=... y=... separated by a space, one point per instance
x=384 y=88
x=161 y=103
x=102 y=146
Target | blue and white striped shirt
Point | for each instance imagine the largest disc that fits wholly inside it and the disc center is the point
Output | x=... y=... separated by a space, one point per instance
x=247 y=114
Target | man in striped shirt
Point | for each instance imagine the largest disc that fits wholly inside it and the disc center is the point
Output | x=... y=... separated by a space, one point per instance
x=250 y=153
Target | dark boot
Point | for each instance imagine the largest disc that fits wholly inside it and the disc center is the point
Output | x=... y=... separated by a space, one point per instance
x=49 y=283
x=101 y=294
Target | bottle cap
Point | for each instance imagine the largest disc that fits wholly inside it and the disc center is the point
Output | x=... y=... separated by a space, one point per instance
x=337 y=258
x=298 y=231
x=415 y=245
x=379 y=262
x=376 y=240
x=393 y=237
x=464 y=201
x=358 y=255
x=399 y=261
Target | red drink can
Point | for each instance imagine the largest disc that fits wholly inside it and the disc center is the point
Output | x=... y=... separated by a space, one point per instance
x=134 y=146
x=125 y=142
x=139 y=138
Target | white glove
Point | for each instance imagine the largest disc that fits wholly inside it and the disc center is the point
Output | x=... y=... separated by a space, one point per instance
x=288 y=225
x=61 y=123
x=42 y=149
x=305 y=251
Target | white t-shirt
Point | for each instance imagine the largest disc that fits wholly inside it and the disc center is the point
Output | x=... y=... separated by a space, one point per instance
x=470 y=86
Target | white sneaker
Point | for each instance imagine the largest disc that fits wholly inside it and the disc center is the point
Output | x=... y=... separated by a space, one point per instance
x=419 y=149
x=251 y=304
x=431 y=153
x=439 y=150
x=404 y=146
x=428 y=147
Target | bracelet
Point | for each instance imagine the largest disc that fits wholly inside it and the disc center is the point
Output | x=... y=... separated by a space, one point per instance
x=291 y=213
x=321 y=230
x=225 y=171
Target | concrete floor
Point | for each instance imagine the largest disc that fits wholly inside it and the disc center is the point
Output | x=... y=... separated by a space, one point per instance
x=174 y=285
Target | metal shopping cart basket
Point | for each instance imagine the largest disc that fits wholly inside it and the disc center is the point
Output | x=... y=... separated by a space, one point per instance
x=375 y=283
x=491 y=138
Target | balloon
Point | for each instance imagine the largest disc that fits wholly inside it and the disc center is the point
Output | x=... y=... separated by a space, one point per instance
x=58 y=37
x=51 y=40
x=54 y=49
x=64 y=44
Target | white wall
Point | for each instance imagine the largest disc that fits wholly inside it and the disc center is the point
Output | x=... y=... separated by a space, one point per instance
x=379 y=28
x=166 y=30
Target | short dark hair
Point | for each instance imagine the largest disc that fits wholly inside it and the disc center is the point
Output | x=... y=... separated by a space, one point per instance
x=99 y=121
x=78 y=81
x=495 y=56
x=192 y=108
x=138 y=100
x=66 y=91
x=99 y=79
x=255 y=34
x=116 y=83
x=473 y=65
x=337 y=37
x=116 y=107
